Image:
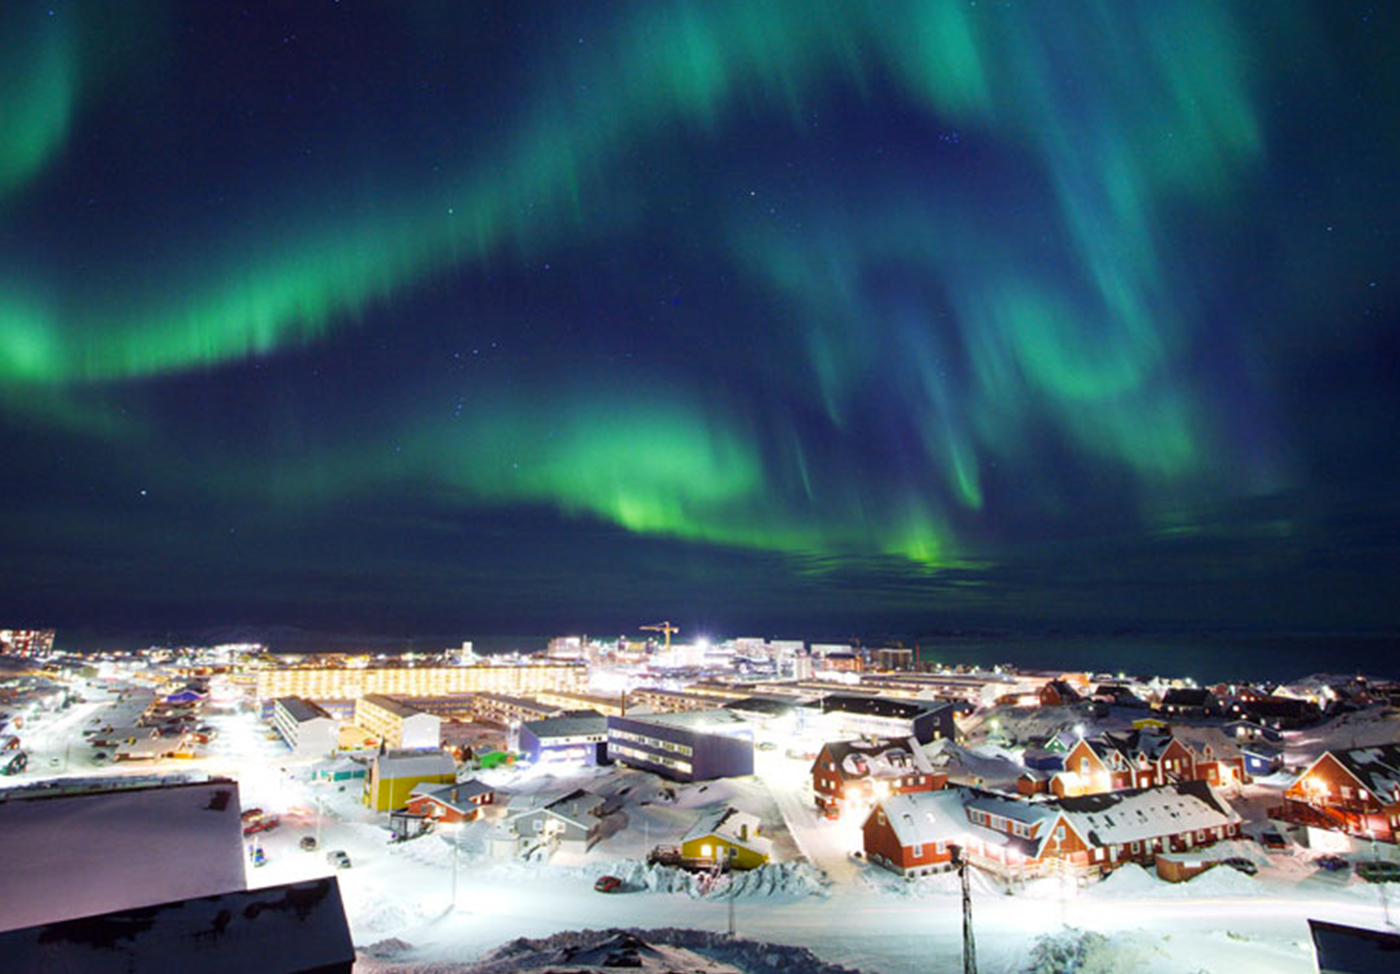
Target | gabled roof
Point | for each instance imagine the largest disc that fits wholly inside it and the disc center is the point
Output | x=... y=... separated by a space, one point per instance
x=1377 y=767
x=858 y=760
x=1188 y=697
x=1146 y=813
x=457 y=797
x=1066 y=691
x=726 y=823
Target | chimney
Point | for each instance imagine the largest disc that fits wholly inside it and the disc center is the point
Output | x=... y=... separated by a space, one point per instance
x=454 y=796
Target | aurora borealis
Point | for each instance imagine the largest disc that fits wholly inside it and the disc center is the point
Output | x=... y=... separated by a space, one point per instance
x=868 y=313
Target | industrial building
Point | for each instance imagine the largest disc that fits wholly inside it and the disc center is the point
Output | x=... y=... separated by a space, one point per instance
x=399 y=725
x=579 y=739
x=306 y=728
x=695 y=745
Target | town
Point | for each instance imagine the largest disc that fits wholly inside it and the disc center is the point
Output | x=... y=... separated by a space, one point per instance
x=840 y=789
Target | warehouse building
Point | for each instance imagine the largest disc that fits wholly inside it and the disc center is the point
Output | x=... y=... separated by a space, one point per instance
x=695 y=745
x=881 y=717
x=306 y=727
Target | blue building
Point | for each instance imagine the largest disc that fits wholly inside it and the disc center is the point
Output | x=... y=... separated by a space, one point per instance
x=1261 y=759
x=579 y=738
x=694 y=745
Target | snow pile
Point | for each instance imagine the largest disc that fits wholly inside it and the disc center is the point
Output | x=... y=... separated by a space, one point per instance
x=1074 y=951
x=787 y=879
x=1130 y=880
x=664 y=950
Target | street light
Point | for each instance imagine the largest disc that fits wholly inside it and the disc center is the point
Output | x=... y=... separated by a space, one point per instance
x=959 y=859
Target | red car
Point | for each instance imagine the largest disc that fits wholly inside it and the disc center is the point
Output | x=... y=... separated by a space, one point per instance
x=260 y=824
x=607 y=884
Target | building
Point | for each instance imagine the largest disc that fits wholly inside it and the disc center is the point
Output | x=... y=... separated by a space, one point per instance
x=1057 y=693
x=725 y=837
x=394 y=774
x=662 y=701
x=1189 y=702
x=568 y=823
x=580 y=739
x=572 y=700
x=1342 y=949
x=92 y=852
x=913 y=834
x=1355 y=792
x=695 y=745
x=1113 y=762
x=851 y=776
x=458 y=802
x=399 y=725
x=858 y=715
x=305 y=727
x=295 y=928
x=1262 y=759
x=504 y=709
x=26 y=642
x=890 y=659
x=320 y=681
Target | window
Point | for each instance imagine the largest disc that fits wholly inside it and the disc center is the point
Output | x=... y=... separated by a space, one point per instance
x=918 y=851
x=1060 y=833
x=1136 y=846
x=1084 y=766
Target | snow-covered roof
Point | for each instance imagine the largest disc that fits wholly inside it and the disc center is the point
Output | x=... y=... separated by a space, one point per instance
x=456 y=796
x=95 y=852
x=1377 y=767
x=563 y=726
x=878 y=759
x=927 y=817
x=301 y=710
x=294 y=927
x=1146 y=813
x=733 y=826
x=404 y=764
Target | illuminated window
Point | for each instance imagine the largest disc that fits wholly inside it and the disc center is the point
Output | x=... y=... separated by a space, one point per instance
x=706 y=851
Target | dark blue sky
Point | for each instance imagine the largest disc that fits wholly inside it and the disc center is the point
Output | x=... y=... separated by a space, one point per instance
x=848 y=316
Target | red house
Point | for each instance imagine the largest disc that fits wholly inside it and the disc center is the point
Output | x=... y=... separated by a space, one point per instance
x=1058 y=693
x=1356 y=791
x=460 y=802
x=1141 y=759
x=856 y=774
x=912 y=834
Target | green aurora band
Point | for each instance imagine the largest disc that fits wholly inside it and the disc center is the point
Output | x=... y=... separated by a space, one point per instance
x=1120 y=114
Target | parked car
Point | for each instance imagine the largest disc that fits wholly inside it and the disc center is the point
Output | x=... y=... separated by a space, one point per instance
x=257 y=856
x=1332 y=864
x=607 y=884
x=766 y=746
x=99 y=757
x=1273 y=840
x=1378 y=871
x=308 y=843
x=15 y=764
x=260 y=823
x=338 y=858
x=1240 y=864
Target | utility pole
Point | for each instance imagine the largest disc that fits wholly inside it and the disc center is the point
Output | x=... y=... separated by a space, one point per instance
x=969 y=944
x=455 y=847
x=729 y=865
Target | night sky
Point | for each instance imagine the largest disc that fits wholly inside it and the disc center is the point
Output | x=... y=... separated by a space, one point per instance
x=782 y=316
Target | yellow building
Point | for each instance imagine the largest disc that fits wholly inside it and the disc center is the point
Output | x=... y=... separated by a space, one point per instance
x=726 y=837
x=394 y=774
x=332 y=682
x=571 y=700
x=399 y=725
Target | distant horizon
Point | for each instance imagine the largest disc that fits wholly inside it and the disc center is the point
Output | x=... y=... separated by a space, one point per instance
x=1254 y=657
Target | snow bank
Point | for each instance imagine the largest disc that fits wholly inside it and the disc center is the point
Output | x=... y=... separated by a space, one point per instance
x=667 y=949
x=1074 y=951
x=787 y=879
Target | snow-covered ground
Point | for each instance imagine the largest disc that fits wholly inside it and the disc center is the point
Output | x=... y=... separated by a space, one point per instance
x=819 y=897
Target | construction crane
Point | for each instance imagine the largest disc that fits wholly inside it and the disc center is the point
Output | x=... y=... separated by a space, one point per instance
x=665 y=627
